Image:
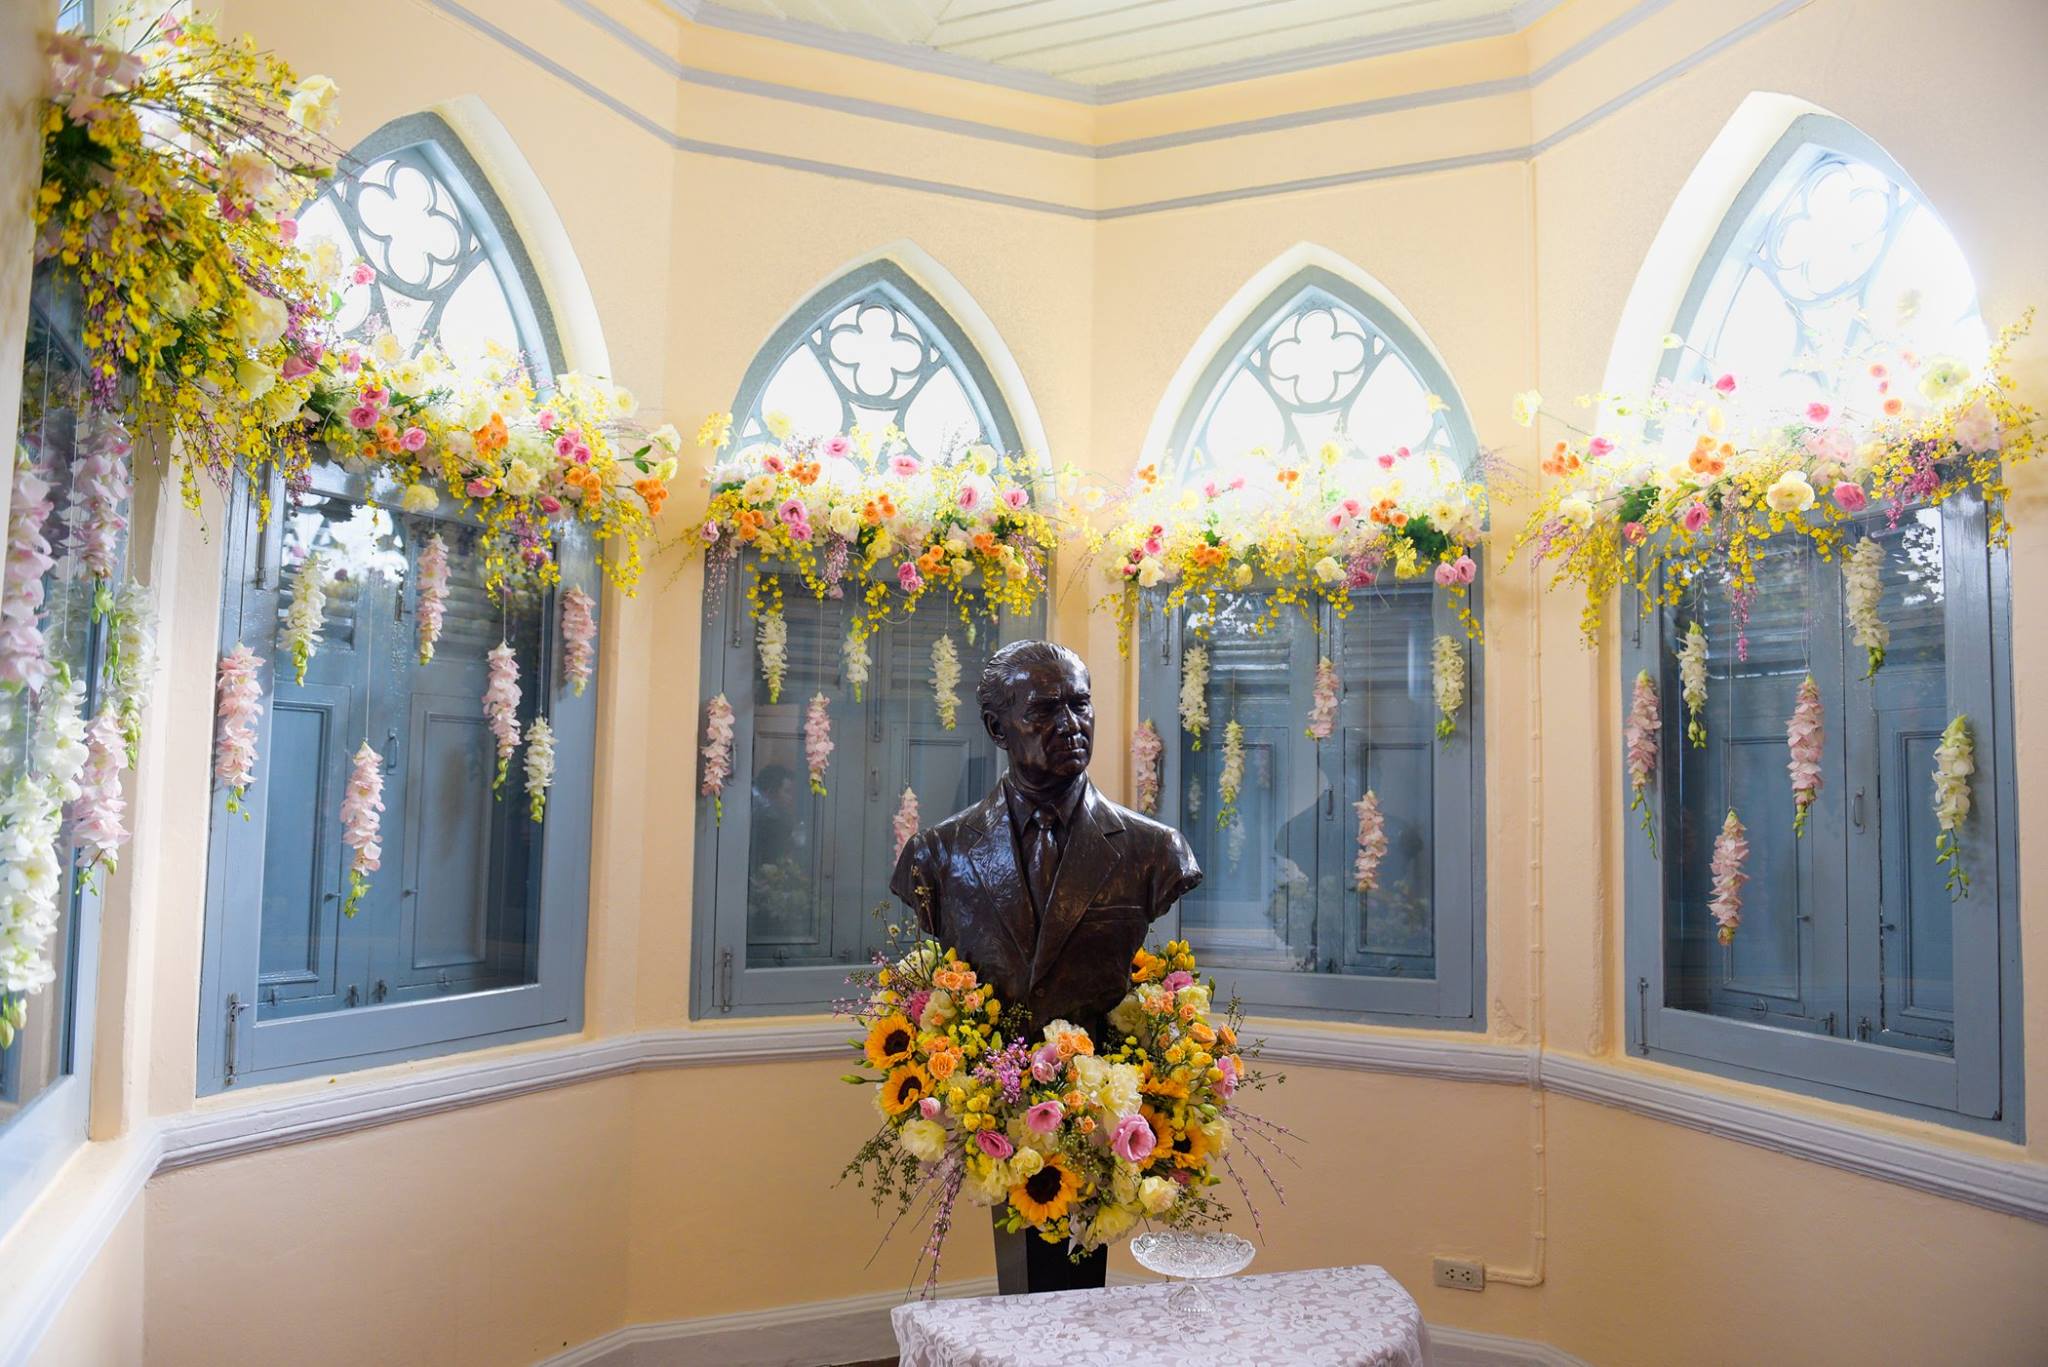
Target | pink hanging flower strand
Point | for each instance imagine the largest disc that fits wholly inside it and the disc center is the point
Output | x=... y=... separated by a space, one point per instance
x=579 y=632
x=1322 y=711
x=1372 y=843
x=1640 y=737
x=1731 y=852
x=96 y=813
x=501 y=706
x=24 y=659
x=1804 y=736
x=718 y=734
x=904 y=824
x=1146 y=748
x=362 y=812
x=100 y=485
x=818 y=741
x=234 y=749
x=433 y=605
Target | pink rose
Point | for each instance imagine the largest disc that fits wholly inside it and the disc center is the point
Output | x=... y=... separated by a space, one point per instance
x=294 y=367
x=1178 y=979
x=908 y=577
x=414 y=438
x=1817 y=413
x=773 y=464
x=799 y=531
x=1232 y=1071
x=1599 y=447
x=969 y=497
x=1696 y=517
x=1446 y=575
x=1154 y=546
x=351 y=362
x=582 y=454
x=1633 y=533
x=1336 y=520
x=478 y=488
x=288 y=230
x=1352 y=507
x=1046 y=1064
x=362 y=274
x=993 y=1144
x=929 y=1108
x=903 y=465
x=1850 y=498
x=548 y=420
x=362 y=417
x=1387 y=461
x=1045 y=1117
x=1236 y=483
x=838 y=447
x=1210 y=489
x=1465 y=569
x=1132 y=1140
x=1403 y=452
x=550 y=505
x=1015 y=499
x=1725 y=385
x=564 y=446
x=374 y=396
x=793 y=511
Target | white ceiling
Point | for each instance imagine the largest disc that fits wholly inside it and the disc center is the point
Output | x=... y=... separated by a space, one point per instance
x=1123 y=47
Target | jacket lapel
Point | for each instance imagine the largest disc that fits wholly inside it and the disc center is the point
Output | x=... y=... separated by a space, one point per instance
x=992 y=863
x=1091 y=852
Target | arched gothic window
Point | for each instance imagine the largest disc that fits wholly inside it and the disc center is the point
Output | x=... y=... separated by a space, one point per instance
x=1854 y=975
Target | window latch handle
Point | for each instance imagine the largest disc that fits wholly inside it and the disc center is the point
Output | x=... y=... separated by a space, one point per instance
x=1856 y=810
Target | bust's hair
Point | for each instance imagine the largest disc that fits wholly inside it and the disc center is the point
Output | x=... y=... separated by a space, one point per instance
x=992 y=693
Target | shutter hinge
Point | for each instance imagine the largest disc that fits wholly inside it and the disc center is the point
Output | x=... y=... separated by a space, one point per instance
x=1863 y=1028
x=1829 y=1024
x=725 y=980
x=236 y=1006
x=1642 y=1015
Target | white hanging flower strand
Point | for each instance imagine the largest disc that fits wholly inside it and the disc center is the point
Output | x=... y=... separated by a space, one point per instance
x=433 y=605
x=57 y=747
x=132 y=661
x=1322 y=712
x=1449 y=683
x=854 y=651
x=772 y=639
x=540 y=767
x=100 y=484
x=1234 y=840
x=1731 y=852
x=579 y=637
x=31 y=821
x=501 y=706
x=234 y=749
x=362 y=812
x=1230 y=781
x=1146 y=748
x=904 y=824
x=946 y=681
x=1955 y=760
x=1194 y=693
x=1372 y=843
x=818 y=741
x=24 y=658
x=1692 y=684
x=1641 y=737
x=1862 y=592
x=303 y=619
x=1804 y=736
x=96 y=823
x=718 y=734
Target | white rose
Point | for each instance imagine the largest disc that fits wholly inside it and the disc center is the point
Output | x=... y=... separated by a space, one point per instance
x=1217 y=1132
x=521 y=479
x=924 y=1140
x=1150 y=572
x=258 y=321
x=1110 y=1224
x=1157 y=1195
x=390 y=351
x=1576 y=511
x=989 y=1188
x=778 y=424
x=1328 y=570
x=1791 y=493
x=316 y=105
x=844 y=521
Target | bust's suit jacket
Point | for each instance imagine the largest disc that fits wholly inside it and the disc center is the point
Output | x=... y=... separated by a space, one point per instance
x=1119 y=873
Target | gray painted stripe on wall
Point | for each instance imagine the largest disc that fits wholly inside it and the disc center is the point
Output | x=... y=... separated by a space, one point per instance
x=997 y=197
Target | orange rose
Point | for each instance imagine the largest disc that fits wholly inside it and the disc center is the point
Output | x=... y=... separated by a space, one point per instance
x=491 y=437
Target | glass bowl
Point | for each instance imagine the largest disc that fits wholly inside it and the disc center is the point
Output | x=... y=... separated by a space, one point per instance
x=1191 y=1259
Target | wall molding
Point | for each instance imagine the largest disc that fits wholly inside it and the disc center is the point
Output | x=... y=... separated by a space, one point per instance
x=68 y=1241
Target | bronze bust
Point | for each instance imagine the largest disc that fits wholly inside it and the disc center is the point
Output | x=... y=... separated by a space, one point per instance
x=1045 y=885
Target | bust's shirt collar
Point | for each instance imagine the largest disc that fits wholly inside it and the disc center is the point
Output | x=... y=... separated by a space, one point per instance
x=1022 y=807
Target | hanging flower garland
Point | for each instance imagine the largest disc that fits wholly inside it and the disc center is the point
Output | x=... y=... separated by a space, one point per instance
x=1448 y=682
x=946 y=681
x=854 y=652
x=1731 y=852
x=818 y=741
x=772 y=642
x=432 y=610
x=1955 y=760
x=1692 y=684
x=1146 y=748
x=96 y=824
x=308 y=612
x=31 y=820
x=1322 y=711
x=1230 y=780
x=1804 y=737
x=1194 y=692
x=1640 y=739
x=540 y=767
x=1372 y=843
x=57 y=746
x=905 y=823
x=234 y=750
x=501 y=706
x=579 y=637
x=131 y=661
x=362 y=811
x=100 y=485
x=24 y=657
x=1862 y=593
x=718 y=737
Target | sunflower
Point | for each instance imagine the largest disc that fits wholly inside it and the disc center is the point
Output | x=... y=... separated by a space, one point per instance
x=1163 y=1130
x=1173 y=1088
x=905 y=1088
x=1045 y=1195
x=1189 y=1148
x=889 y=1040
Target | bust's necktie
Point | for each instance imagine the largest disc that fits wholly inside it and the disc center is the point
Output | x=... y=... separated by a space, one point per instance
x=1041 y=858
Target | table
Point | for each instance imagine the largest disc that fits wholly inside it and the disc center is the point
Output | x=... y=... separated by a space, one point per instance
x=1324 y=1317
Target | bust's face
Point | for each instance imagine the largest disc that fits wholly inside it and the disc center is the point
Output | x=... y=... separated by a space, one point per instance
x=1049 y=727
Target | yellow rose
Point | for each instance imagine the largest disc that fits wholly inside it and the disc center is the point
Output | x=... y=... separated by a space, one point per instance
x=1576 y=511
x=1157 y=1195
x=1242 y=577
x=1791 y=493
x=924 y=1140
x=1110 y=1224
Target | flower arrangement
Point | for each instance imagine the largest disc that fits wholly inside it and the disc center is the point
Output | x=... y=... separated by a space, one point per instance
x=858 y=662
x=96 y=825
x=772 y=645
x=1372 y=842
x=1194 y=692
x=1955 y=760
x=501 y=705
x=1639 y=739
x=1322 y=710
x=1146 y=748
x=903 y=825
x=362 y=810
x=540 y=767
x=1231 y=778
x=718 y=736
x=946 y=681
x=1862 y=592
x=1804 y=736
x=300 y=635
x=433 y=596
x=234 y=749
x=1305 y=529
x=1639 y=507
x=579 y=638
x=1731 y=852
x=818 y=741
x=1447 y=680
x=1076 y=1142
x=1692 y=683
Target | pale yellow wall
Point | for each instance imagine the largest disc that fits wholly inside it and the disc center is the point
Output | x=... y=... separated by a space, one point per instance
x=503 y=1232
x=101 y=1324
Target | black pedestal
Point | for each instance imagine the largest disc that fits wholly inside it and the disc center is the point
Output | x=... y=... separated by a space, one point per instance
x=1027 y=1263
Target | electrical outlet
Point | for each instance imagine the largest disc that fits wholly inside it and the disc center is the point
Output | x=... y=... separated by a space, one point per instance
x=1458 y=1275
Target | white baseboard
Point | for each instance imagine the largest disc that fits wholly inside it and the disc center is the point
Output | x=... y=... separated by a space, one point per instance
x=1450 y=1347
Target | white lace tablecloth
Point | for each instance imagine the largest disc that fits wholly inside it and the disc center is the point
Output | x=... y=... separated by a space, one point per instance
x=1348 y=1316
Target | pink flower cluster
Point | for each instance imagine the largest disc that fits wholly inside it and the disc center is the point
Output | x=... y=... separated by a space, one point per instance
x=362 y=810
x=1322 y=711
x=579 y=633
x=1463 y=570
x=1731 y=852
x=1146 y=748
x=1372 y=843
x=501 y=705
x=234 y=751
x=1805 y=734
x=904 y=824
x=1640 y=738
x=718 y=734
x=433 y=605
x=96 y=813
x=99 y=486
x=818 y=741
x=24 y=660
